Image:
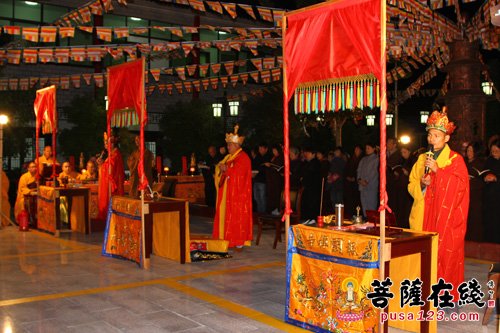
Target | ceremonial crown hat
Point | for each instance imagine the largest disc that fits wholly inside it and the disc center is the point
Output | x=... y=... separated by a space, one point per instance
x=439 y=120
x=234 y=137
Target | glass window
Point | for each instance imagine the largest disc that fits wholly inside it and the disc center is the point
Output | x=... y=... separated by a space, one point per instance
x=114 y=21
x=6 y=8
x=53 y=13
x=29 y=151
x=15 y=162
x=24 y=11
x=151 y=146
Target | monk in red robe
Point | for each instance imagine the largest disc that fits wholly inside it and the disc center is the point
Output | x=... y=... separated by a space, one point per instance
x=233 y=180
x=439 y=184
x=116 y=178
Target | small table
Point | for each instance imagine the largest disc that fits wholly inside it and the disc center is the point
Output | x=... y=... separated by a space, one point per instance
x=165 y=236
x=49 y=209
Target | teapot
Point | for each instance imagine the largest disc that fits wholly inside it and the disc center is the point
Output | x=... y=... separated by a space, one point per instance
x=357 y=219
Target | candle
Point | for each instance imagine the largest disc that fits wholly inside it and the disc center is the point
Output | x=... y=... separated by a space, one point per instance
x=184 y=166
x=158 y=164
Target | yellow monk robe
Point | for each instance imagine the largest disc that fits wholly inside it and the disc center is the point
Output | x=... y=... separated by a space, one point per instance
x=23 y=189
x=5 y=200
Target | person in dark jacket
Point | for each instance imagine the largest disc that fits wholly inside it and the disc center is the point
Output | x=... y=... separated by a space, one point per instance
x=491 y=193
x=311 y=182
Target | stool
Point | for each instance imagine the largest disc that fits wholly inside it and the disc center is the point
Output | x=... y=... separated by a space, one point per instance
x=493 y=274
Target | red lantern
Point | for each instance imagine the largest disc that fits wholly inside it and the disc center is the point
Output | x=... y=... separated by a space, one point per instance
x=23 y=219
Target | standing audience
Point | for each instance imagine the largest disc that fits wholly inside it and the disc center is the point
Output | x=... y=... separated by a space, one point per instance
x=475 y=166
x=351 y=188
x=368 y=179
x=491 y=195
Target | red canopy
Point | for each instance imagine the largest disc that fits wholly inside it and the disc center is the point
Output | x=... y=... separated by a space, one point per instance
x=46 y=117
x=127 y=103
x=342 y=41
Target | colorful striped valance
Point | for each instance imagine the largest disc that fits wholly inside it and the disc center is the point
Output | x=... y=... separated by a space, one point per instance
x=124 y=118
x=335 y=95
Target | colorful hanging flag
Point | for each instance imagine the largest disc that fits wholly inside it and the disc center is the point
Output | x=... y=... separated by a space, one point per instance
x=99 y=80
x=252 y=46
x=255 y=76
x=14 y=57
x=86 y=29
x=156 y=74
x=94 y=53
x=78 y=54
x=171 y=46
x=175 y=31
x=30 y=34
x=265 y=76
x=249 y=10
x=197 y=5
x=181 y=72
x=45 y=55
x=268 y=62
x=191 y=69
x=203 y=69
x=279 y=59
x=265 y=14
x=65 y=32
x=48 y=34
x=205 y=83
x=43 y=81
x=204 y=45
x=235 y=45
x=75 y=80
x=187 y=47
x=121 y=32
x=229 y=66
x=215 y=68
x=144 y=48
x=65 y=82
x=188 y=86
x=214 y=82
x=87 y=77
x=104 y=34
x=278 y=17
x=140 y=31
x=276 y=74
x=85 y=14
x=230 y=9
x=224 y=80
x=62 y=55
x=12 y=30
x=30 y=56
x=178 y=86
x=116 y=53
x=241 y=31
x=257 y=33
x=161 y=88
x=257 y=62
x=13 y=84
x=24 y=84
x=168 y=71
x=196 y=85
x=182 y=2
x=190 y=30
x=215 y=6
x=131 y=51
x=234 y=80
x=4 y=84
x=107 y=5
x=33 y=81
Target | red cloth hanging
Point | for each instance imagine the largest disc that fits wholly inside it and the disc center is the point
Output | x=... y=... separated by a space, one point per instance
x=46 y=117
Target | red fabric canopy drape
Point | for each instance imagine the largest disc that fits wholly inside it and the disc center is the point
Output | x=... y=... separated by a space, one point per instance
x=337 y=40
x=46 y=117
x=340 y=41
x=126 y=91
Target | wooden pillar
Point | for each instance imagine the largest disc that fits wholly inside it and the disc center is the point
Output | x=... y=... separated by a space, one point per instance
x=465 y=99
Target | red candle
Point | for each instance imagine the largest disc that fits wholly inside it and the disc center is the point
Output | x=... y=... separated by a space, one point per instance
x=158 y=164
x=184 y=165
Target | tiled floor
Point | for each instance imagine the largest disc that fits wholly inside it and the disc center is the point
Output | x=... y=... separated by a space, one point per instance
x=50 y=284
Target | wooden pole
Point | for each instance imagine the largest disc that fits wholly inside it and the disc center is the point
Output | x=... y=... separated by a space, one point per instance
x=146 y=263
x=286 y=139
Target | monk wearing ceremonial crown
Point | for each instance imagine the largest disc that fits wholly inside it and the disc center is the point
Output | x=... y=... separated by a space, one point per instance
x=439 y=185
x=233 y=181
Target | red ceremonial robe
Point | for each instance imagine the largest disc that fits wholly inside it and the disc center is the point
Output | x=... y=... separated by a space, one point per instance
x=116 y=179
x=233 y=216
x=445 y=212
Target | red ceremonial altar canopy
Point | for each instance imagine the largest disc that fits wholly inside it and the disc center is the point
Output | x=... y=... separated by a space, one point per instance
x=336 y=51
x=127 y=103
x=46 y=117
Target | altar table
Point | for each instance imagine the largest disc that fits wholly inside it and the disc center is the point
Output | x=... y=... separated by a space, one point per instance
x=166 y=229
x=191 y=188
x=329 y=273
x=49 y=209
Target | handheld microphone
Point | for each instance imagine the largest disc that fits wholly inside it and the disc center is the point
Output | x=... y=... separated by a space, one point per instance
x=430 y=152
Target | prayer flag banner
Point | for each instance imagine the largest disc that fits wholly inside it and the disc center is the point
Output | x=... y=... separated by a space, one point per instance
x=215 y=6
x=328 y=276
x=30 y=34
x=249 y=10
x=230 y=9
x=45 y=110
